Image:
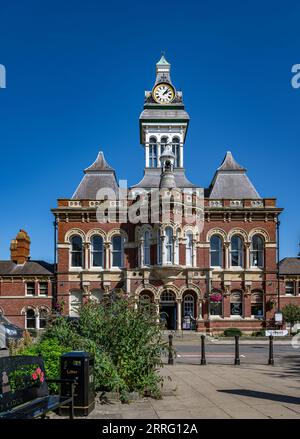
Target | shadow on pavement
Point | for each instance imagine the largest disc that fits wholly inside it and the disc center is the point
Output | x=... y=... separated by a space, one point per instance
x=263 y=395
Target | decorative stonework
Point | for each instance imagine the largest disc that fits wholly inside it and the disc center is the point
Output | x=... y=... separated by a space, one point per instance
x=236 y=203
x=257 y=203
x=72 y=203
x=215 y=203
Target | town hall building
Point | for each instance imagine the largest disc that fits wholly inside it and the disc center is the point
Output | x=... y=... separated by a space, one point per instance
x=220 y=274
x=206 y=257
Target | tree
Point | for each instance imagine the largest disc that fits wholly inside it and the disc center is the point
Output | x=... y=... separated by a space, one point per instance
x=291 y=314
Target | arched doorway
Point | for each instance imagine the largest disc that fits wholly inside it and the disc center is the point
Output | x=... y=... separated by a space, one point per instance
x=167 y=309
x=189 y=312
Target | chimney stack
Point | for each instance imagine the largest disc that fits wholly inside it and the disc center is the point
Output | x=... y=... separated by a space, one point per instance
x=20 y=248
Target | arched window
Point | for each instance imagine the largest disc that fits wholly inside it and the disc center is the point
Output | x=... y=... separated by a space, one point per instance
x=188 y=305
x=216 y=251
x=176 y=151
x=43 y=315
x=145 y=299
x=97 y=251
x=158 y=238
x=30 y=319
x=236 y=305
x=189 y=249
x=152 y=152
x=76 y=251
x=257 y=306
x=257 y=251
x=163 y=142
x=169 y=245
x=117 y=251
x=216 y=303
x=237 y=251
x=146 y=244
x=167 y=297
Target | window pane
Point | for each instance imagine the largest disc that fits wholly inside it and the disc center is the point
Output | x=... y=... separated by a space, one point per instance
x=30 y=319
x=236 y=309
x=237 y=252
x=257 y=309
x=117 y=243
x=97 y=251
x=76 y=259
x=30 y=288
x=43 y=288
x=216 y=251
x=76 y=243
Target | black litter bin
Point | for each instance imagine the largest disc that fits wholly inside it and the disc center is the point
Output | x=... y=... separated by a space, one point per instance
x=79 y=365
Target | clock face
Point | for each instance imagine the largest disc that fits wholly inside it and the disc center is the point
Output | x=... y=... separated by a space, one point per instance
x=163 y=93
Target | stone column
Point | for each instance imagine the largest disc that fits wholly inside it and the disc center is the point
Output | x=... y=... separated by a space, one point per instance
x=247 y=251
x=86 y=255
x=194 y=253
x=181 y=156
x=227 y=255
x=158 y=154
x=147 y=155
x=107 y=263
x=157 y=309
x=199 y=315
x=163 y=251
x=178 y=314
x=141 y=261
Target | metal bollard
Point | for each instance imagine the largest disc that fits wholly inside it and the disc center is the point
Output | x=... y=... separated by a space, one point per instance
x=203 y=359
x=271 y=351
x=237 y=361
x=171 y=358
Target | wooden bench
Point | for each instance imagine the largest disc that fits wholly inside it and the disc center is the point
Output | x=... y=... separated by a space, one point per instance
x=24 y=392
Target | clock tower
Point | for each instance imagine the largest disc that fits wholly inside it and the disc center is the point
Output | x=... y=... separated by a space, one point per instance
x=163 y=122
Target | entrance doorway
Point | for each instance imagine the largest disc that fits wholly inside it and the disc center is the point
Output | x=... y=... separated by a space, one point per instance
x=167 y=310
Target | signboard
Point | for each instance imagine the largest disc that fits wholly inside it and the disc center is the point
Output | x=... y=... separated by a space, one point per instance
x=186 y=322
x=278 y=318
x=277 y=332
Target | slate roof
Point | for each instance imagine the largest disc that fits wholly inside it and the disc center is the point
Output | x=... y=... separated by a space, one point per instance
x=97 y=176
x=162 y=114
x=9 y=268
x=152 y=176
x=290 y=266
x=231 y=181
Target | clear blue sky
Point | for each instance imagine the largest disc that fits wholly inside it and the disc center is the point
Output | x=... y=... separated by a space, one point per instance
x=76 y=75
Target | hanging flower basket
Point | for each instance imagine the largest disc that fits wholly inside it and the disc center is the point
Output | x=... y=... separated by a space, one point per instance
x=216 y=297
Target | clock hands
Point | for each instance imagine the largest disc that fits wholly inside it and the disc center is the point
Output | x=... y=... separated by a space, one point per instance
x=167 y=90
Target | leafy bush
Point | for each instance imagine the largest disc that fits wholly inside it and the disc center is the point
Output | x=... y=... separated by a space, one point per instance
x=50 y=350
x=231 y=332
x=125 y=340
x=291 y=313
x=260 y=333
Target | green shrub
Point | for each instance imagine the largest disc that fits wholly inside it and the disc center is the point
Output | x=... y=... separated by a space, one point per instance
x=126 y=342
x=51 y=351
x=260 y=333
x=231 y=332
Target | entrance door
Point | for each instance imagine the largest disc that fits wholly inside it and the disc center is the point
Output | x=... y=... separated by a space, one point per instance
x=168 y=309
x=168 y=316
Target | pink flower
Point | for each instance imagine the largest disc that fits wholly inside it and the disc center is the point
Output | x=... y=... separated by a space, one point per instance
x=38 y=371
x=42 y=379
x=34 y=376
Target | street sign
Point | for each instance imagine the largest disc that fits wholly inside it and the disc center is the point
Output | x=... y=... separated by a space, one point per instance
x=277 y=332
x=278 y=318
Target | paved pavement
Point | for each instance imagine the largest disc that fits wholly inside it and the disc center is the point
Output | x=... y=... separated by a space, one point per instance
x=218 y=391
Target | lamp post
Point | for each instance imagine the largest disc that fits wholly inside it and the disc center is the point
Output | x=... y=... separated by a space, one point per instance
x=278 y=314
